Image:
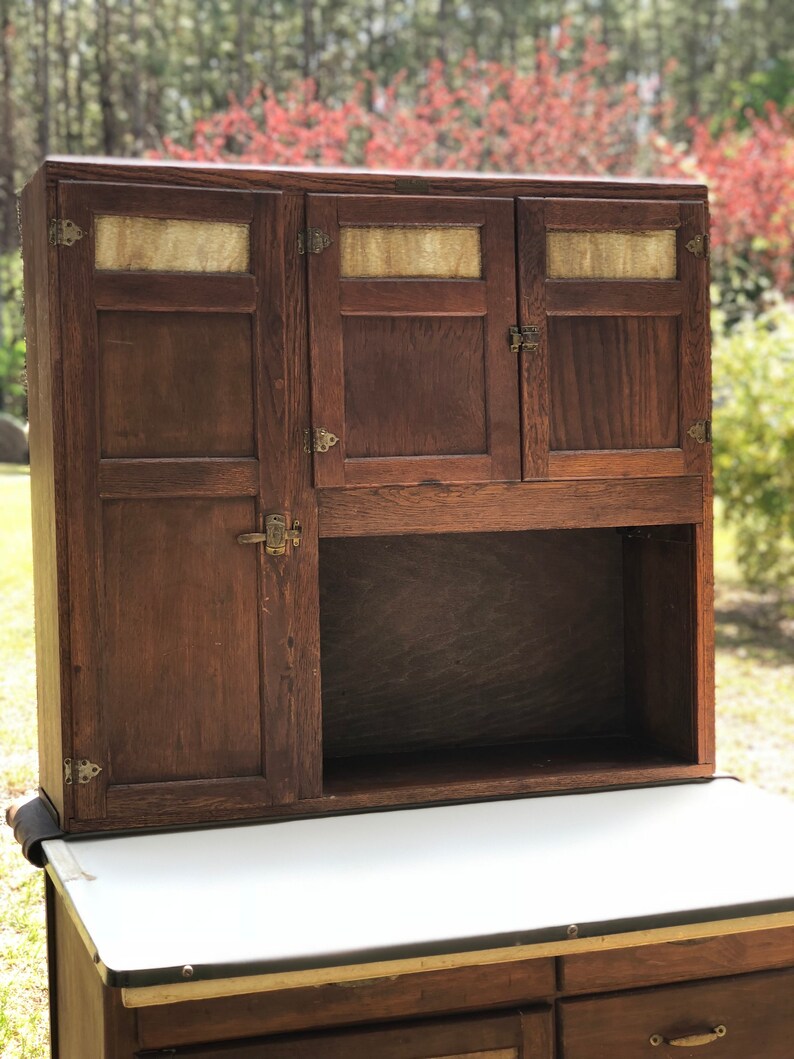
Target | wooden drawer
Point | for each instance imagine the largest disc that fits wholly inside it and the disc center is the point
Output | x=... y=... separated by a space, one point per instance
x=514 y=1035
x=756 y=1011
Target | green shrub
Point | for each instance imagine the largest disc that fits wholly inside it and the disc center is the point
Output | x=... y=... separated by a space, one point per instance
x=13 y=396
x=754 y=439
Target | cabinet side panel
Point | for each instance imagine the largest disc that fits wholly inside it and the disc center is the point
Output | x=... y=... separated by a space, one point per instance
x=47 y=484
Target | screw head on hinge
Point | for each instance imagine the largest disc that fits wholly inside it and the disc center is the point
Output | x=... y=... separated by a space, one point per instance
x=318 y=440
x=64 y=233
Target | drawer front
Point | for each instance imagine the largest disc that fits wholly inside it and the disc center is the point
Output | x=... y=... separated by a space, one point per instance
x=524 y=1035
x=751 y=1017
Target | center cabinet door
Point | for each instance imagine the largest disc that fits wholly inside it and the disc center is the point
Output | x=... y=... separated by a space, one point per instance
x=411 y=303
x=182 y=375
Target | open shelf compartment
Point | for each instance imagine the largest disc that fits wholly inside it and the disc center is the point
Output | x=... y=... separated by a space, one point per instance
x=541 y=659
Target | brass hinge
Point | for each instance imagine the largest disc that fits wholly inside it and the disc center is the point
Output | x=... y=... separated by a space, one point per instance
x=701 y=431
x=318 y=440
x=84 y=770
x=313 y=241
x=64 y=233
x=275 y=536
x=699 y=246
x=524 y=339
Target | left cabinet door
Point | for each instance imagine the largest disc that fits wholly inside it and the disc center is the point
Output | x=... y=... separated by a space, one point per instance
x=411 y=303
x=176 y=381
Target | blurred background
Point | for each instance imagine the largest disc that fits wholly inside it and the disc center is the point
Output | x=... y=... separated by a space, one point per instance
x=666 y=88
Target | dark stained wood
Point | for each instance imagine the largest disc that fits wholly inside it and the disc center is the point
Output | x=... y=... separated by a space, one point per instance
x=613 y=382
x=659 y=607
x=508 y=1036
x=677 y=961
x=624 y=463
x=374 y=209
x=598 y=215
x=47 y=483
x=610 y=297
x=175 y=384
x=755 y=1009
x=508 y=506
x=175 y=292
x=421 y=385
x=399 y=996
x=181 y=694
x=421 y=364
x=703 y=587
x=695 y=337
x=131 y=479
x=159 y=200
x=533 y=366
x=444 y=641
x=340 y=180
x=413 y=297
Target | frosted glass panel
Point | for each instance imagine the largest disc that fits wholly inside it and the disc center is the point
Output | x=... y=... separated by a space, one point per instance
x=147 y=244
x=611 y=255
x=410 y=252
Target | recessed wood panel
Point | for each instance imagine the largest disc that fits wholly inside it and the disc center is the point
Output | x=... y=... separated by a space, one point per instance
x=175 y=384
x=410 y=251
x=611 y=255
x=613 y=382
x=181 y=693
x=149 y=244
x=414 y=386
x=470 y=639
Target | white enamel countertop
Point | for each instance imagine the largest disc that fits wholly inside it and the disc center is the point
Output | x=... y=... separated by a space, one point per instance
x=347 y=889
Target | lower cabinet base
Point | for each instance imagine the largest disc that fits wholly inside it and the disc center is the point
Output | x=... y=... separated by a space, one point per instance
x=734 y=993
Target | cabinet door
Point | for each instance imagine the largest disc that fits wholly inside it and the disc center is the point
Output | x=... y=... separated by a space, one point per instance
x=177 y=378
x=505 y=1036
x=615 y=381
x=410 y=309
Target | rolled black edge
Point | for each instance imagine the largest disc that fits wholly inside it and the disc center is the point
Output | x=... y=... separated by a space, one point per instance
x=33 y=823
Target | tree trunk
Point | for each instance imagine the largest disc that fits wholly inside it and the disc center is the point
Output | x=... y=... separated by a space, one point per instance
x=103 y=70
x=8 y=211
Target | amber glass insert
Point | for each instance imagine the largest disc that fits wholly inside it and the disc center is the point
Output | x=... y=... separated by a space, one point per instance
x=611 y=255
x=410 y=252
x=146 y=244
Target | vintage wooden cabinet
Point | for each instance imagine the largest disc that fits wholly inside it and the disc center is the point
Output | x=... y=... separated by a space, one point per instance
x=355 y=489
x=360 y=491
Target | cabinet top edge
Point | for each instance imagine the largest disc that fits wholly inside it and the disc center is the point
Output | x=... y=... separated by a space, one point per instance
x=312 y=178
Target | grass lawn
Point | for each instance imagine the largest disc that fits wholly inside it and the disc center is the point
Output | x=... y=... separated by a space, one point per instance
x=755 y=739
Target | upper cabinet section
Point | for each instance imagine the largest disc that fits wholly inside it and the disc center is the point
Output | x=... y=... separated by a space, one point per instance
x=410 y=307
x=615 y=379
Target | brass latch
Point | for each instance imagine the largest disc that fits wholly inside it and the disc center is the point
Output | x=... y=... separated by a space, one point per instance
x=692 y=1040
x=700 y=431
x=84 y=769
x=524 y=339
x=64 y=233
x=699 y=246
x=318 y=440
x=275 y=536
x=313 y=241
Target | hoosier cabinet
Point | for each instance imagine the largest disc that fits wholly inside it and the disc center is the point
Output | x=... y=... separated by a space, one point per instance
x=355 y=494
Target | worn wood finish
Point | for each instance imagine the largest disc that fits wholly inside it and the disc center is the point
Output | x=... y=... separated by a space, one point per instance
x=509 y=506
x=347 y=1003
x=435 y=641
x=603 y=216
x=677 y=961
x=406 y=368
x=134 y=479
x=695 y=338
x=755 y=1009
x=614 y=383
x=159 y=292
x=611 y=297
x=47 y=483
x=533 y=365
x=175 y=384
x=508 y=1036
x=624 y=463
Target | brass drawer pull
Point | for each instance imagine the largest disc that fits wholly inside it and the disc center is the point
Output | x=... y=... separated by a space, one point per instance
x=691 y=1041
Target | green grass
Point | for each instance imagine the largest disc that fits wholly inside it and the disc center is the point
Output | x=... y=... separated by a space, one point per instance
x=755 y=739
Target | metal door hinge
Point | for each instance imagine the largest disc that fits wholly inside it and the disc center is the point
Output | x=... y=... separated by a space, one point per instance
x=524 y=339
x=313 y=241
x=83 y=770
x=275 y=536
x=318 y=440
x=701 y=431
x=699 y=246
x=64 y=233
